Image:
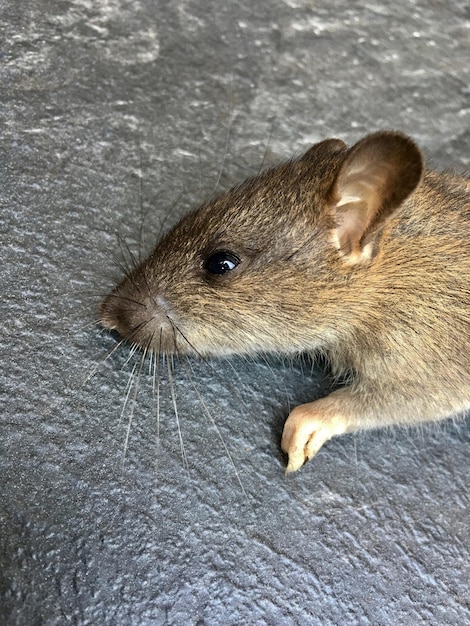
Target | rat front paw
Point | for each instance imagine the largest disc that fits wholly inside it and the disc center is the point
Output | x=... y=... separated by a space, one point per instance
x=307 y=428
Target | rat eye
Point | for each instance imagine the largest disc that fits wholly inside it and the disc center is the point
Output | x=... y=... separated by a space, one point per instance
x=221 y=262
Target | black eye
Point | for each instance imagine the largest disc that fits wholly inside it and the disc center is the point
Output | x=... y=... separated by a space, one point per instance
x=221 y=262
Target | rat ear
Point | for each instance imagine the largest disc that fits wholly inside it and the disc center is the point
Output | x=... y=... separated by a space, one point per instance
x=378 y=174
x=323 y=149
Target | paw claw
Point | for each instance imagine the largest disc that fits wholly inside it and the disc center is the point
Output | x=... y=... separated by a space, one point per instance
x=305 y=432
x=294 y=463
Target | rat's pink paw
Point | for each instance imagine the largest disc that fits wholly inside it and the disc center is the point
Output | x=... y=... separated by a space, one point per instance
x=307 y=428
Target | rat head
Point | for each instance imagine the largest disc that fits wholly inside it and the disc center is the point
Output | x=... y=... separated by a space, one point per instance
x=264 y=267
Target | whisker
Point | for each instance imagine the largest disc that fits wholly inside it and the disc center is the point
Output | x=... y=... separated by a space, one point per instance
x=214 y=424
x=232 y=388
x=127 y=391
x=168 y=212
x=132 y=256
x=265 y=359
x=180 y=332
x=141 y=188
x=207 y=362
x=102 y=360
x=134 y=347
x=271 y=132
x=90 y=292
x=133 y=403
x=155 y=363
x=85 y=326
x=122 y=266
x=200 y=159
x=156 y=387
x=231 y=119
x=175 y=409
x=131 y=300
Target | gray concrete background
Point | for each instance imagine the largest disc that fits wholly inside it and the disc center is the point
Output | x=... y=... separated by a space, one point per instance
x=114 y=119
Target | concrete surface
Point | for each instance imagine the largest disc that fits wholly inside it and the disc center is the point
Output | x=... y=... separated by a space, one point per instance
x=116 y=116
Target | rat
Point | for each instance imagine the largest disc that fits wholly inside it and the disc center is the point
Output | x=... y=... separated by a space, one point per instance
x=356 y=253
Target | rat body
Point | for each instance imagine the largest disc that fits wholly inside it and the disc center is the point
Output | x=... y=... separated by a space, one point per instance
x=357 y=253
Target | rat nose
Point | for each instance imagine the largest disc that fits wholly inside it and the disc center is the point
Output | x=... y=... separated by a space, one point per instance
x=138 y=319
x=122 y=313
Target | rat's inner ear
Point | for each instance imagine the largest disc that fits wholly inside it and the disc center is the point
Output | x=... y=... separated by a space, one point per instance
x=378 y=174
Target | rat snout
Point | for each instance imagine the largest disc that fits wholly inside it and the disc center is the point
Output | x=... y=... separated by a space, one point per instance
x=142 y=321
x=114 y=313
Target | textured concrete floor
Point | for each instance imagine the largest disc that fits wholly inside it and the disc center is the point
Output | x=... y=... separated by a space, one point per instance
x=116 y=117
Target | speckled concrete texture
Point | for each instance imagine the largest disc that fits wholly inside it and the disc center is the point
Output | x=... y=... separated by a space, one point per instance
x=116 y=117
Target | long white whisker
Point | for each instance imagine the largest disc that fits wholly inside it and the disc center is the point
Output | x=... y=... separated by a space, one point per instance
x=214 y=370
x=175 y=409
x=276 y=379
x=214 y=424
x=132 y=350
x=155 y=375
x=96 y=367
x=81 y=327
x=156 y=383
x=232 y=388
x=133 y=403
x=127 y=392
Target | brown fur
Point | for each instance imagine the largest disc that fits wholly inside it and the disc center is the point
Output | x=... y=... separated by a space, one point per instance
x=352 y=252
